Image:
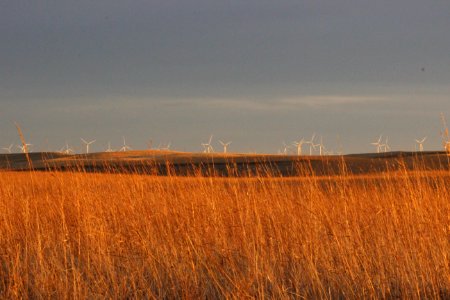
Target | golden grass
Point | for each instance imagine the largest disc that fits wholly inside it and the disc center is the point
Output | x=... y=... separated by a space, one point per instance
x=79 y=235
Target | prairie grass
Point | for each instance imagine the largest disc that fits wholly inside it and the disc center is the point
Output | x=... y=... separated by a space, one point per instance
x=81 y=235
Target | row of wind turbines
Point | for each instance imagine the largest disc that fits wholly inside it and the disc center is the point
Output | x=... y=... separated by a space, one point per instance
x=384 y=146
x=23 y=148
x=208 y=148
x=381 y=145
x=312 y=146
x=67 y=150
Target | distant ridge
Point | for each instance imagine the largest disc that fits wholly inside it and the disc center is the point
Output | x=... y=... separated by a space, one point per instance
x=158 y=162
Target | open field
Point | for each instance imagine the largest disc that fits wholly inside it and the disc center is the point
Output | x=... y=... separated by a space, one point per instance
x=101 y=235
x=228 y=165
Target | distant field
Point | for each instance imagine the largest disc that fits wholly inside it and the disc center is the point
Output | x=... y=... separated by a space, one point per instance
x=229 y=165
x=78 y=234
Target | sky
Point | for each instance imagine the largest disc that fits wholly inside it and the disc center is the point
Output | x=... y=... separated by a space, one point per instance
x=254 y=72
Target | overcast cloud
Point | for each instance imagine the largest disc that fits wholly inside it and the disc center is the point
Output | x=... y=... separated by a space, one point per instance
x=256 y=72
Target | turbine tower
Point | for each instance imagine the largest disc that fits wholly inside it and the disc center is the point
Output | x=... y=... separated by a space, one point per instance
x=420 y=142
x=318 y=145
x=285 y=148
x=447 y=147
x=207 y=146
x=377 y=144
x=225 y=146
x=25 y=148
x=167 y=147
x=125 y=147
x=109 y=149
x=311 y=143
x=66 y=149
x=321 y=147
x=385 y=147
x=299 y=145
x=87 y=144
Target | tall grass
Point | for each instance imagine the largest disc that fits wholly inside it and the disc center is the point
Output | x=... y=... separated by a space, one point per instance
x=80 y=235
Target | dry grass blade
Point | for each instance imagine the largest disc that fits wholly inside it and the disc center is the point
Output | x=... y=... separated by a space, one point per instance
x=24 y=145
x=445 y=134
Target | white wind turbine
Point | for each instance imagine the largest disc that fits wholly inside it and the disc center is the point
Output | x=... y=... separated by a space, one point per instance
x=299 y=145
x=8 y=149
x=385 y=147
x=66 y=149
x=25 y=148
x=447 y=146
x=87 y=144
x=225 y=146
x=207 y=146
x=315 y=147
x=321 y=147
x=167 y=147
x=311 y=143
x=109 y=149
x=285 y=148
x=420 y=142
x=377 y=144
x=331 y=152
x=125 y=147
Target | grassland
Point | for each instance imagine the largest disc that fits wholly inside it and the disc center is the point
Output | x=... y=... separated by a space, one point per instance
x=85 y=235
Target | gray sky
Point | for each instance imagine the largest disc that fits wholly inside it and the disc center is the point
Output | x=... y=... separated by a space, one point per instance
x=255 y=72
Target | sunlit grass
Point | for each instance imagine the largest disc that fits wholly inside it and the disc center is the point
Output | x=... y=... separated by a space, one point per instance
x=79 y=235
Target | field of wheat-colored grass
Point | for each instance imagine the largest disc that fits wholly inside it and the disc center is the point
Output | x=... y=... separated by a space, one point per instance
x=80 y=235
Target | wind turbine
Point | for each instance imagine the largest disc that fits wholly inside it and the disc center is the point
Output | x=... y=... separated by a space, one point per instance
x=87 y=144
x=225 y=146
x=420 y=142
x=207 y=146
x=321 y=147
x=125 y=147
x=385 y=146
x=377 y=144
x=66 y=149
x=109 y=148
x=167 y=148
x=317 y=145
x=299 y=145
x=285 y=148
x=447 y=146
x=311 y=143
x=24 y=148
x=331 y=152
x=8 y=149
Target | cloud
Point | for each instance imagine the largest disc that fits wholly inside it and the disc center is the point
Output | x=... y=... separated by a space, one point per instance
x=317 y=101
x=326 y=100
